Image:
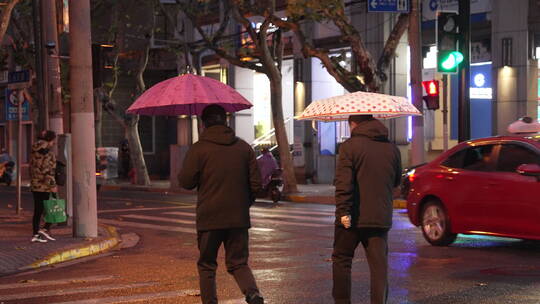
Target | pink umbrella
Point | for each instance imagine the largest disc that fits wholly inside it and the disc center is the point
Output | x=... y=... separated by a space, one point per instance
x=187 y=94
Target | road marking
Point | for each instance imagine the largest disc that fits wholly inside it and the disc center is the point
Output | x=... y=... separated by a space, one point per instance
x=159 y=219
x=148 y=226
x=263 y=221
x=234 y=301
x=295 y=217
x=31 y=284
x=292 y=211
x=139 y=297
x=137 y=209
x=129 y=199
x=63 y=292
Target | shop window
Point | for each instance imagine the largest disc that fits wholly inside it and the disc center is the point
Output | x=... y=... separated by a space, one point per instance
x=327 y=138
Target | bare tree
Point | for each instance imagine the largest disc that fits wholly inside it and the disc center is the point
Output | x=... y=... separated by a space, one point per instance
x=105 y=94
x=369 y=75
x=267 y=51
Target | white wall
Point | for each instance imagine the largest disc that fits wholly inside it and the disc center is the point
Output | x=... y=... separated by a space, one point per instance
x=243 y=79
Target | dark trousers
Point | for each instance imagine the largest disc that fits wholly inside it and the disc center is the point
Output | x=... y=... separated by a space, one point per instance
x=39 y=197
x=375 y=245
x=236 y=260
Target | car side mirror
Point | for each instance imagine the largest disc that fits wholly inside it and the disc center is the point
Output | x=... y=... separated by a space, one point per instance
x=529 y=170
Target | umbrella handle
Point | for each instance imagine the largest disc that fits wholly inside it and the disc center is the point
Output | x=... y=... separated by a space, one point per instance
x=314 y=126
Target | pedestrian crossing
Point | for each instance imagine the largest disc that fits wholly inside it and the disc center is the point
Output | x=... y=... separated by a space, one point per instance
x=263 y=219
x=92 y=289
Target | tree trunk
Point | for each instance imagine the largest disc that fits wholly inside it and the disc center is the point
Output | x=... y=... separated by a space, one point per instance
x=135 y=151
x=290 y=185
x=98 y=116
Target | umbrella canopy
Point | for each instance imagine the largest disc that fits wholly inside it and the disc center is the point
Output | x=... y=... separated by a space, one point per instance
x=358 y=103
x=187 y=95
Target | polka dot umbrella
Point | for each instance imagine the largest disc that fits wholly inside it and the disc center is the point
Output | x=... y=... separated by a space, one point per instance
x=358 y=103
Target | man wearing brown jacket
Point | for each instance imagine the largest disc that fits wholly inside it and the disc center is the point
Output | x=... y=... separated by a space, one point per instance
x=368 y=169
x=224 y=170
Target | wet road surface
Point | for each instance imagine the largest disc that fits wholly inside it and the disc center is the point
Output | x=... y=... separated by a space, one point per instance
x=291 y=245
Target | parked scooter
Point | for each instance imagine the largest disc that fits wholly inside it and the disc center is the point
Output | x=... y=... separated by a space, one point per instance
x=272 y=188
x=6 y=172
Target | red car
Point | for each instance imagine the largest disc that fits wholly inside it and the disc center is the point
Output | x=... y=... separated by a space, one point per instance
x=487 y=186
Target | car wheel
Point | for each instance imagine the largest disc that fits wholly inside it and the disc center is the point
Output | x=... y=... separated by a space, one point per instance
x=436 y=225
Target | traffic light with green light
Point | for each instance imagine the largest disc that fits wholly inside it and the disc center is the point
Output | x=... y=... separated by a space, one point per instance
x=448 y=55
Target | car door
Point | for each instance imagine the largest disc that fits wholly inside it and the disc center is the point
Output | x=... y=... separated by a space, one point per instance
x=466 y=180
x=513 y=204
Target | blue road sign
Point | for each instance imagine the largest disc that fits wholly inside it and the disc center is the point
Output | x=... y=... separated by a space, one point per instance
x=396 y=6
x=19 y=76
x=12 y=109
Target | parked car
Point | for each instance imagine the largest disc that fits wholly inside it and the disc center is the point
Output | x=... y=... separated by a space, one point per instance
x=488 y=186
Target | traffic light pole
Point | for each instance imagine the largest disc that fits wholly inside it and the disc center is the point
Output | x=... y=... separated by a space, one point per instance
x=464 y=101
x=415 y=43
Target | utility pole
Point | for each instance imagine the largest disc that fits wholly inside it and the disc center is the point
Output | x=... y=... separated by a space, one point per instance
x=464 y=101
x=38 y=42
x=415 y=44
x=82 y=117
x=51 y=65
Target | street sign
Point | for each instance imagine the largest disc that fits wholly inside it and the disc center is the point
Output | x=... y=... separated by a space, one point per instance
x=12 y=103
x=394 y=6
x=19 y=76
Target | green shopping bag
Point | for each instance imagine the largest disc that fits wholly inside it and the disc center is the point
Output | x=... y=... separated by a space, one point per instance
x=55 y=210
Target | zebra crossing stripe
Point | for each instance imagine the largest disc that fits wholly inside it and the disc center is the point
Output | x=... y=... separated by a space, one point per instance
x=70 y=291
x=158 y=219
x=262 y=221
x=291 y=211
x=147 y=297
x=171 y=220
x=138 y=209
x=294 y=217
x=148 y=226
x=57 y=282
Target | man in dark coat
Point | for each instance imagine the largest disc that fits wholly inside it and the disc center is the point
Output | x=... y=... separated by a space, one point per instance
x=224 y=170
x=368 y=169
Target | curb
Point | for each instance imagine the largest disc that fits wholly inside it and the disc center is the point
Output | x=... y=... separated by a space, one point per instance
x=92 y=248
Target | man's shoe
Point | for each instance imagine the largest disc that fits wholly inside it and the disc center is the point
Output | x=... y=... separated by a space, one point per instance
x=38 y=238
x=255 y=299
x=46 y=234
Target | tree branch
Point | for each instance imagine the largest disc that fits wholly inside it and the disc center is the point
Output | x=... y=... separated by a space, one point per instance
x=6 y=16
x=347 y=79
x=212 y=43
x=391 y=45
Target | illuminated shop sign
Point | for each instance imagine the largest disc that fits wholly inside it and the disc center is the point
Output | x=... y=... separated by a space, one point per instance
x=481 y=81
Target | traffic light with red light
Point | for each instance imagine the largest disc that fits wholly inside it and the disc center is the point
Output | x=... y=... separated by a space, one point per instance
x=432 y=90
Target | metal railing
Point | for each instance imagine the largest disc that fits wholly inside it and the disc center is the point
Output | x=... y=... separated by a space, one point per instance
x=263 y=139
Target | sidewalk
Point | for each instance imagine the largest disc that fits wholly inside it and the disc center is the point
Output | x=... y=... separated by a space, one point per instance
x=312 y=193
x=18 y=254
